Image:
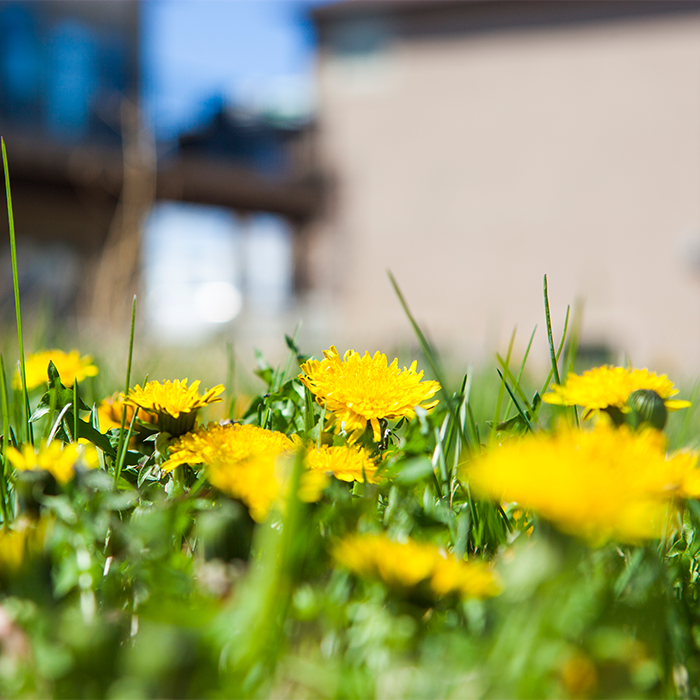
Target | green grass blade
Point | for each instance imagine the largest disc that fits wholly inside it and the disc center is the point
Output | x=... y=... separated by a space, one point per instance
x=518 y=408
x=321 y=426
x=428 y=350
x=77 y=410
x=558 y=354
x=5 y=442
x=572 y=345
x=121 y=456
x=555 y=355
x=548 y=319
x=462 y=412
x=95 y=423
x=117 y=466
x=499 y=400
x=474 y=428
x=431 y=356
x=509 y=375
x=15 y=283
x=308 y=412
x=527 y=353
x=471 y=422
x=439 y=455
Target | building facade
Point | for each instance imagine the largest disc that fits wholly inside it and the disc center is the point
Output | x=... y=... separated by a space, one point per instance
x=476 y=146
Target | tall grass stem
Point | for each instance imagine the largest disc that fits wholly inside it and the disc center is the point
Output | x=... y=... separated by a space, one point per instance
x=15 y=283
x=5 y=442
x=76 y=409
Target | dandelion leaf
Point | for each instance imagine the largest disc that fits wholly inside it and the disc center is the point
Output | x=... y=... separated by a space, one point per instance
x=58 y=395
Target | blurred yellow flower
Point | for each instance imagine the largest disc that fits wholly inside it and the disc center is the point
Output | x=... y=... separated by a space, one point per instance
x=21 y=543
x=607 y=386
x=57 y=458
x=607 y=484
x=347 y=463
x=685 y=465
x=359 y=389
x=408 y=564
x=174 y=403
x=578 y=675
x=70 y=366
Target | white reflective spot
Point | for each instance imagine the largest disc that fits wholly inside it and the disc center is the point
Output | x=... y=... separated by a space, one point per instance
x=218 y=302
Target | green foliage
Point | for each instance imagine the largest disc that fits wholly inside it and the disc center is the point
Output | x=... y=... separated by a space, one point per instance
x=134 y=581
x=159 y=589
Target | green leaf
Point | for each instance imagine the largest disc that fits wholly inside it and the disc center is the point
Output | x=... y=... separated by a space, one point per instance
x=511 y=423
x=86 y=431
x=63 y=396
x=264 y=371
x=293 y=347
x=148 y=473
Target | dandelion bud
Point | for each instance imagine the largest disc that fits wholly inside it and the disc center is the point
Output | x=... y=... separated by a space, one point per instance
x=647 y=407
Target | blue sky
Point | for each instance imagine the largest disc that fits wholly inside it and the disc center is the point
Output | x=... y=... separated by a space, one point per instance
x=256 y=53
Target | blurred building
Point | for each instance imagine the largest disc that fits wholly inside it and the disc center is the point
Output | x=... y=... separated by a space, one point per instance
x=475 y=146
x=64 y=70
x=85 y=170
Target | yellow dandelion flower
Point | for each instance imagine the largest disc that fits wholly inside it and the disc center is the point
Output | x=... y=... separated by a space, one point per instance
x=243 y=461
x=70 y=366
x=174 y=403
x=606 y=386
x=253 y=480
x=409 y=564
x=607 y=484
x=57 y=458
x=232 y=442
x=22 y=543
x=360 y=389
x=347 y=463
x=247 y=467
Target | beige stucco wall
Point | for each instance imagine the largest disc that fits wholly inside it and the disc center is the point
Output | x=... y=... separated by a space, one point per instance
x=472 y=166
